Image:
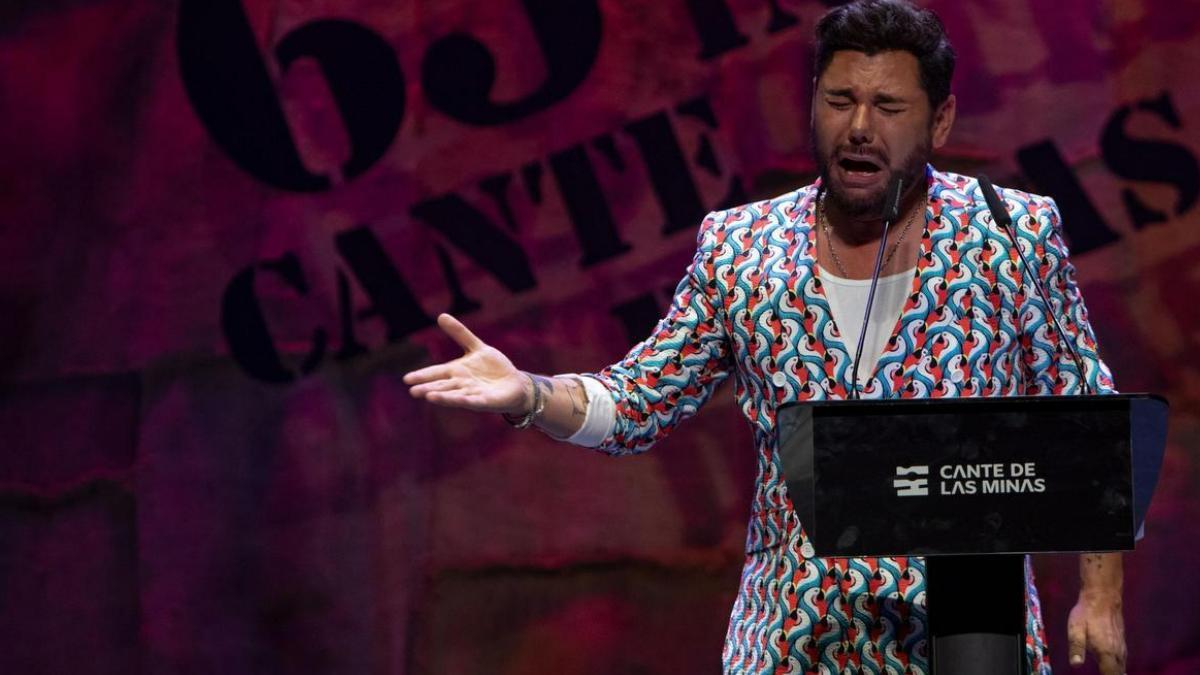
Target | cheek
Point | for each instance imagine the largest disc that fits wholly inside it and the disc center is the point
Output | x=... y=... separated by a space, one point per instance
x=905 y=141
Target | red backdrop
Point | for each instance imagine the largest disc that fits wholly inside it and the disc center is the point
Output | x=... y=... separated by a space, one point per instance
x=225 y=225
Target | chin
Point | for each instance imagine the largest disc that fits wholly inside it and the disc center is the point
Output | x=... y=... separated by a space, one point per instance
x=856 y=202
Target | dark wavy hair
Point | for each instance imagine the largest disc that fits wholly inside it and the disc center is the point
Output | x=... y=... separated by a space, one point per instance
x=874 y=26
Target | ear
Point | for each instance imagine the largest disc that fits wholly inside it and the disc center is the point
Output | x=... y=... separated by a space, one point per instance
x=943 y=121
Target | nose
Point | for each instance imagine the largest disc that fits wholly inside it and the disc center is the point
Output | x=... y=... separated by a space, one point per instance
x=861 y=131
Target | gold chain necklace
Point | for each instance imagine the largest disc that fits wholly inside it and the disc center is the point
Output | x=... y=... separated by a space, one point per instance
x=824 y=222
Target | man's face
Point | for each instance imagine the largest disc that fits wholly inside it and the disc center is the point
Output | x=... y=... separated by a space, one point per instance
x=872 y=120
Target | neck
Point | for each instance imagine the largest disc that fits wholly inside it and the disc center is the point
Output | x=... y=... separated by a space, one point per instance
x=849 y=242
x=861 y=229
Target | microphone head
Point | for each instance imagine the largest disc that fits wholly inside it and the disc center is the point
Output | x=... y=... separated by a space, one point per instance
x=994 y=203
x=891 y=204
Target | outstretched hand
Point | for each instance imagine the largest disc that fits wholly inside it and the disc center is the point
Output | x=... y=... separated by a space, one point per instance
x=481 y=379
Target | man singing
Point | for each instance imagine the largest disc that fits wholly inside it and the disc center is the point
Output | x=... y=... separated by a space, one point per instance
x=775 y=295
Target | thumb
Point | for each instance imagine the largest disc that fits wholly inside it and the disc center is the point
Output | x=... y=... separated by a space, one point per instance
x=459 y=333
x=1076 y=637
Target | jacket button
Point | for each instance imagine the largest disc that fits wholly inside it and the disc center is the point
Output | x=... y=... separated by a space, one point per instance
x=779 y=378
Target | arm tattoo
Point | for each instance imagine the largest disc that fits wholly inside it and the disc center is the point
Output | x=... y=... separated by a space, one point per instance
x=576 y=394
x=545 y=384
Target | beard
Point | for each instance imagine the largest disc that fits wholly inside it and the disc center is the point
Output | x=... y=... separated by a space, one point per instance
x=910 y=168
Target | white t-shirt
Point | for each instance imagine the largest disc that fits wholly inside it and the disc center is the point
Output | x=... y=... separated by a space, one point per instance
x=847 y=302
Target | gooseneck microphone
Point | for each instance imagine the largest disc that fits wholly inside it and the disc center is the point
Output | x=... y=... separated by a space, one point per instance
x=1002 y=218
x=891 y=213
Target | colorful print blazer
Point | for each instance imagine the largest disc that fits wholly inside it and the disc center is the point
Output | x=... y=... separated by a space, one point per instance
x=752 y=306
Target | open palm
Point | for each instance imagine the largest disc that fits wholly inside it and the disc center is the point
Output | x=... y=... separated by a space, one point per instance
x=481 y=379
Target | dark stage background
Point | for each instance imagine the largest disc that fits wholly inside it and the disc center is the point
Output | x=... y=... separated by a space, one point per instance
x=225 y=226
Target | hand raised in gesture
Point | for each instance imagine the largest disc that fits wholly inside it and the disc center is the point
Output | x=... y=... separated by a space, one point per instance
x=481 y=379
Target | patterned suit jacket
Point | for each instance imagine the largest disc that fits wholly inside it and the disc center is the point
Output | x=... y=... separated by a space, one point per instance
x=752 y=306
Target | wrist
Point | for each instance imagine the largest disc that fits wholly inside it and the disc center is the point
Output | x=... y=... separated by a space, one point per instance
x=528 y=396
x=1101 y=595
x=534 y=404
x=1101 y=578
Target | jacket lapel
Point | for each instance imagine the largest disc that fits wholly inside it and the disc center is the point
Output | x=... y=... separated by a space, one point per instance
x=910 y=330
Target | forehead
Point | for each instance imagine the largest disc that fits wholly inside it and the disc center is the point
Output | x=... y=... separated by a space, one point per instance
x=896 y=73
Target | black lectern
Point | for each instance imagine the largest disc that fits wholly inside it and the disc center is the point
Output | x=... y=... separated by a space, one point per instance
x=973 y=484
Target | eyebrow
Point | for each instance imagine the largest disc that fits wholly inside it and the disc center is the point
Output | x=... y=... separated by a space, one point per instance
x=846 y=92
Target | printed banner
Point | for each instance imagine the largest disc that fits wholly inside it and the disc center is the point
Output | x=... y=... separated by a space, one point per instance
x=227 y=227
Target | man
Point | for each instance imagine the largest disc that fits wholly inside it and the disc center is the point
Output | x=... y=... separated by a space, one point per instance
x=775 y=295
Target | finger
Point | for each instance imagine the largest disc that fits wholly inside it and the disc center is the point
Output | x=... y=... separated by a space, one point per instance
x=1076 y=639
x=459 y=333
x=458 y=398
x=1120 y=654
x=423 y=390
x=439 y=371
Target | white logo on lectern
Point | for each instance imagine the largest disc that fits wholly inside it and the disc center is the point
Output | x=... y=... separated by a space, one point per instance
x=988 y=478
x=911 y=487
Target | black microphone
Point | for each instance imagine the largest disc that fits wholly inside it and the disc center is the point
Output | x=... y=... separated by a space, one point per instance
x=891 y=203
x=1001 y=217
x=1000 y=214
x=891 y=213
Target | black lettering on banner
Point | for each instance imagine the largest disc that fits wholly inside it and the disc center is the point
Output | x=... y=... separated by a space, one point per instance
x=496 y=187
x=365 y=81
x=491 y=245
x=470 y=231
x=245 y=327
x=1150 y=161
x=373 y=264
x=460 y=303
x=458 y=71
x=1084 y=225
x=391 y=298
x=669 y=173
x=231 y=90
x=715 y=23
x=670 y=176
x=706 y=156
x=718 y=30
x=586 y=206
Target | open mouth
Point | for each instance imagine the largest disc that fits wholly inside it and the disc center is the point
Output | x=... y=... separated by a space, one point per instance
x=859 y=166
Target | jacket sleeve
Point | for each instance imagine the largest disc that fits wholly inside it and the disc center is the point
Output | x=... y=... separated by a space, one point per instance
x=1047 y=364
x=667 y=377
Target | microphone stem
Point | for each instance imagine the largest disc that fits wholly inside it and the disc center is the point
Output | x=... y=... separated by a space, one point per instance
x=862 y=334
x=1062 y=333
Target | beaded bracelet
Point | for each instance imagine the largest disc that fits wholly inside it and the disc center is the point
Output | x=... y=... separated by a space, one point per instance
x=539 y=404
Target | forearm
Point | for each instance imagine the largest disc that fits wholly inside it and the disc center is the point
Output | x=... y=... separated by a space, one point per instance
x=1101 y=576
x=563 y=401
